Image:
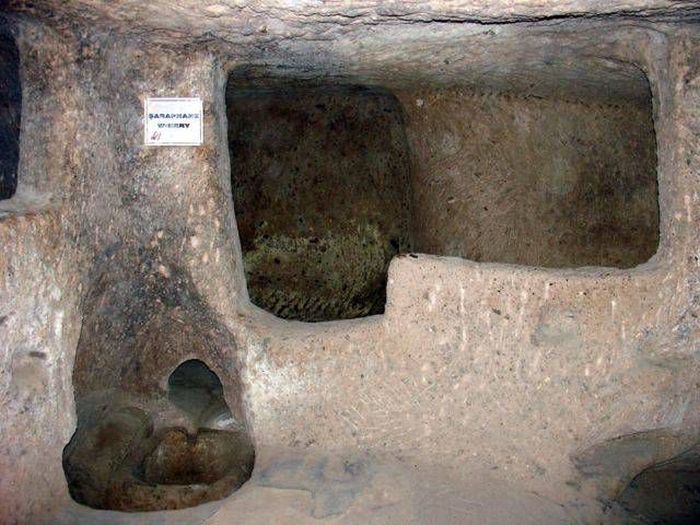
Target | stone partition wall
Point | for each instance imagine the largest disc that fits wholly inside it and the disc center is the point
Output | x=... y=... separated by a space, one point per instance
x=484 y=393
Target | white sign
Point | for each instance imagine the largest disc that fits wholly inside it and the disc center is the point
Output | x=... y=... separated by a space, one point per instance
x=173 y=122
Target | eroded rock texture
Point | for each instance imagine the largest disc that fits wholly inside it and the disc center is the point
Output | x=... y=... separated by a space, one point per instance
x=562 y=389
x=320 y=181
x=10 y=110
x=118 y=460
x=530 y=180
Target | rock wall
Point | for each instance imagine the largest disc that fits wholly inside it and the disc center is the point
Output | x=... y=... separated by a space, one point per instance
x=528 y=379
x=535 y=181
x=321 y=183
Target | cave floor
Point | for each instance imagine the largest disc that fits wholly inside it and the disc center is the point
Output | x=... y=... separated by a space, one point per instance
x=289 y=487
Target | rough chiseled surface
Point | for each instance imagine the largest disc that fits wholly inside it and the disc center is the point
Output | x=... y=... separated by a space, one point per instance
x=117 y=460
x=534 y=181
x=320 y=180
x=526 y=380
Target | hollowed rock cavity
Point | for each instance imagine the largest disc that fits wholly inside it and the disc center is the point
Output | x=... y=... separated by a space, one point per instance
x=197 y=391
x=10 y=113
x=155 y=430
x=556 y=181
x=120 y=459
x=320 y=178
x=331 y=181
x=667 y=493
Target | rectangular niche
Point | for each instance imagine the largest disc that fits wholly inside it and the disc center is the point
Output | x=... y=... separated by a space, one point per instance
x=10 y=113
x=555 y=180
x=331 y=181
x=320 y=178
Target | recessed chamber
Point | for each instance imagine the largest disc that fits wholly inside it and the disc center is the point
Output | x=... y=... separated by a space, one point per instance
x=10 y=113
x=320 y=177
x=558 y=181
x=156 y=428
x=331 y=180
x=124 y=456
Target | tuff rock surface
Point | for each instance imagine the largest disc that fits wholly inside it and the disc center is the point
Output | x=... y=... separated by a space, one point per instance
x=485 y=392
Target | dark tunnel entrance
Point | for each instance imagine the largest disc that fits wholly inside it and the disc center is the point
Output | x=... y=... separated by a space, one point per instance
x=10 y=113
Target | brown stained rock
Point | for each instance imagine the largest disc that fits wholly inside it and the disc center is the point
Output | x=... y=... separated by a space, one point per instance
x=535 y=181
x=320 y=179
x=105 y=442
x=170 y=462
x=479 y=384
x=203 y=458
x=116 y=461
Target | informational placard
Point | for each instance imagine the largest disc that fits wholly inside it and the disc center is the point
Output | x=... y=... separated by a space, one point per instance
x=173 y=122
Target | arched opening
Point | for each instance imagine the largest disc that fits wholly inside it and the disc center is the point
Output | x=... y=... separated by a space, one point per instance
x=197 y=391
x=124 y=456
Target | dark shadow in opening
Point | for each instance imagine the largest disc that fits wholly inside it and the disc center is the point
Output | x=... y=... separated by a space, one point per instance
x=10 y=112
x=666 y=494
x=320 y=179
x=197 y=391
